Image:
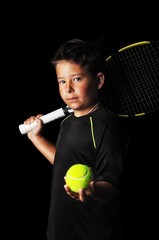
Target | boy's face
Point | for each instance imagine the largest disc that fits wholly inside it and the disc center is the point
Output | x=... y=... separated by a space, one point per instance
x=77 y=87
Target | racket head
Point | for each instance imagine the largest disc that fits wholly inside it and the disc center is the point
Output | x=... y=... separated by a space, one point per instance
x=131 y=86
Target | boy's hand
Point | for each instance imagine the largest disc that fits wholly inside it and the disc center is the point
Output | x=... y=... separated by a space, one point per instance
x=84 y=195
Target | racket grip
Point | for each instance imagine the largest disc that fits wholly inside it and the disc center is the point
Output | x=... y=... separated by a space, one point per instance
x=61 y=112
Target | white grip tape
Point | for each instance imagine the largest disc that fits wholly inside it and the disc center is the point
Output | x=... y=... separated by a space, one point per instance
x=25 y=128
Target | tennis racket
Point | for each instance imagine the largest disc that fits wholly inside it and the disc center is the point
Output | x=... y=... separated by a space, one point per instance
x=131 y=88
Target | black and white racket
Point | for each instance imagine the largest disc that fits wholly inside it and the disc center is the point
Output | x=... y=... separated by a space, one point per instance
x=131 y=87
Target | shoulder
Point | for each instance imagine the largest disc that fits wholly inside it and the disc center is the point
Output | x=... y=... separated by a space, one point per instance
x=66 y=119
x=108 y=122
x=104 y=116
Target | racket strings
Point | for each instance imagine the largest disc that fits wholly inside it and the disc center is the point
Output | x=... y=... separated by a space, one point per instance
x=141 y=66
x=132 y=81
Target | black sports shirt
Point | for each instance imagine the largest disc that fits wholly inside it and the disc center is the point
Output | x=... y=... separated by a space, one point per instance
x=99 y=141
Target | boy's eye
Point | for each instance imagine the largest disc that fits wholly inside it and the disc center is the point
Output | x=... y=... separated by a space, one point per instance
x=61 y=82
x=76 y=79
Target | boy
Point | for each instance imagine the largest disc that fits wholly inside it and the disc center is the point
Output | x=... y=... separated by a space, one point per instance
x=90 y=135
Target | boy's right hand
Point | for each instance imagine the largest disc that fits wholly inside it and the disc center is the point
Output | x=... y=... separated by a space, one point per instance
x=37 y=131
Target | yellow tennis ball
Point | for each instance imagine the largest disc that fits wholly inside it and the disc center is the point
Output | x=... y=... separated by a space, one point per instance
x=78 y=176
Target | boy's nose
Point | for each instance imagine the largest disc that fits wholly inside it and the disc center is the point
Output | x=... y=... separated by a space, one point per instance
x=69 y=87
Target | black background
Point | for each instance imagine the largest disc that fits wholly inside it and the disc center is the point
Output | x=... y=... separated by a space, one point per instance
x=35 y=34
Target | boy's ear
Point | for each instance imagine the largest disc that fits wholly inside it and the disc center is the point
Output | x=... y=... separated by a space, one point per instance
x=101 y=80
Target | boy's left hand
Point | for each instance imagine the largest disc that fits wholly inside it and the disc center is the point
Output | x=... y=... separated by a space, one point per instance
x=84 y=195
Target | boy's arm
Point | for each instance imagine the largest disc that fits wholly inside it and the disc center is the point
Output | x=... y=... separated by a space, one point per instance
x=46 y=147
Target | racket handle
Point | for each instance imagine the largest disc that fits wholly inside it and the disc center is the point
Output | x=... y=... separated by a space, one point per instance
x=61 y=112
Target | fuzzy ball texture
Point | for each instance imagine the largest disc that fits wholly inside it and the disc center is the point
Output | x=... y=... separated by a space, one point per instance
x=78 y=176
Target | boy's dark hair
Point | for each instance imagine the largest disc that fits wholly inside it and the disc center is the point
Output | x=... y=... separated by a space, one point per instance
x=87 y=54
